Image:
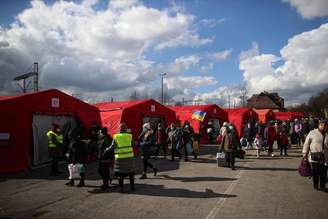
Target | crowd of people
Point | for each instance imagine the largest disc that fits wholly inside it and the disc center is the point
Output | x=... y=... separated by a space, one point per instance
x=115 y=154
x=262 y=137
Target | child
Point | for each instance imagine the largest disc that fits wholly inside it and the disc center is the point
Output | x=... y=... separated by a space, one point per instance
x=258 y=144
x=283 y=140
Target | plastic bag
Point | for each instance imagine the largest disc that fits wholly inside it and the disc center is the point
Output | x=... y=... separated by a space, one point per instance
x=75 y=170
x=220 y=155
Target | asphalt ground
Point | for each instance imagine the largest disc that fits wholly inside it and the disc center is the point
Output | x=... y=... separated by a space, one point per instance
x=265 y=187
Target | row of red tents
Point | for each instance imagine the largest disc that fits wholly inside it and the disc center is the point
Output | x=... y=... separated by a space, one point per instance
x=26 y=118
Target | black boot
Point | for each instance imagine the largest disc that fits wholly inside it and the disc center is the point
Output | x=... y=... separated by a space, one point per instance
x=143 y=176
x=104 y=186
x=81 y=184
x=155 y=171
x=120 y=182
x=131 y=177
x=70 y=183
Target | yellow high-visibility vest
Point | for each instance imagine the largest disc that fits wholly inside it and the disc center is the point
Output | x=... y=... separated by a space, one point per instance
x=59 y=138
x=123 y=147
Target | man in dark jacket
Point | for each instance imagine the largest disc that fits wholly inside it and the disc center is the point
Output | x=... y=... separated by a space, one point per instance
x=105 y=157
x=146 y=142
x=160 y=140
x=77 y=154
x=248 y=133
x=187 y=138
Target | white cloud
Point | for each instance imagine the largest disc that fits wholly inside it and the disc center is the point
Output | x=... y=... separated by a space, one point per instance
x=118 y=4
x=220 y=56
x=189 y=82
x=253 y=51
x=202 y=62
x=97 y=51
x=183 y=64
x=310 y=8
x=221 y=96
x=304 y=68
x=212 y=22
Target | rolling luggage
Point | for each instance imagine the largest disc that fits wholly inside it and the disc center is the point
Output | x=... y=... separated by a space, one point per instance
x=221 y=159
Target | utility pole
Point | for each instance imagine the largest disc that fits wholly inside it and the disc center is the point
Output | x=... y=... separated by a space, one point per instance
x=36 y=77
x=28 y=75
x=162 y=87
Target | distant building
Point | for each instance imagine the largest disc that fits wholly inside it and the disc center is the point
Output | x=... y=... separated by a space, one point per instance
x=266 y=100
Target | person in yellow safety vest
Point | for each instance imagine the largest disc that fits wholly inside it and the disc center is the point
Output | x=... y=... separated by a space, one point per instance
x=55 y=145
x=124 y=156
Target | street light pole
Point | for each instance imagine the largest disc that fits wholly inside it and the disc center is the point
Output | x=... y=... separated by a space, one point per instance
x=162 y=88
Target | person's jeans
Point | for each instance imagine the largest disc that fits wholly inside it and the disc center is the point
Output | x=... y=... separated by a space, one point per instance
x=298 y=139
x=270 y=145
x=283 y=147
x=230 y=159
x=174 y=152
x=158 y=147
x=103 y=170
x=319 y=172
x=146 y=164
x=121 y=176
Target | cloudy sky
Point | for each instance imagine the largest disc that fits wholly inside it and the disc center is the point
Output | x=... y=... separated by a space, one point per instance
x=210 y=49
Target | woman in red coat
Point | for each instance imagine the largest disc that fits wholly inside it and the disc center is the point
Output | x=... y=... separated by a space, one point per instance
x=271 y=137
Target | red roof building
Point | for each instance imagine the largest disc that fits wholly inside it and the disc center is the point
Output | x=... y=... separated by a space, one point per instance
x=25 y=120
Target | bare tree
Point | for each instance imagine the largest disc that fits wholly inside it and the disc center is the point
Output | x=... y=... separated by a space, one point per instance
x=134 y=95
x=243 y=94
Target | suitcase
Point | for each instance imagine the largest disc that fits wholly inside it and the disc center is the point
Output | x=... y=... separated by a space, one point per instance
x=220 y=157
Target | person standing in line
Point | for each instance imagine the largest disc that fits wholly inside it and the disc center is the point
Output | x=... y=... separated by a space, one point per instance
x=277 y=127
x=55 y=147
x=315 y=146
x=160 y=140
x=249 y=135
x=77 y=154
x=283 y=141
x=105 y=157
x=173 y=140
x=258 y=144
x=298 y=132
x=271 y=137
x=292 y=134
x=124 y=156
x=187 y=138
x=227 y=147
x=147 y=141
x=306 y=128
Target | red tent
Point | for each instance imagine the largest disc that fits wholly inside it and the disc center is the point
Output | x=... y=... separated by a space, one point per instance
x=288 y=115
x=134 y=114
x=213 y=112
x=240 y=116
x=265 y=115
x=26 y=118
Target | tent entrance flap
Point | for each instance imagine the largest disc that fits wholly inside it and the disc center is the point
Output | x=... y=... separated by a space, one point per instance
x=153 y=121
x=41 y=124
